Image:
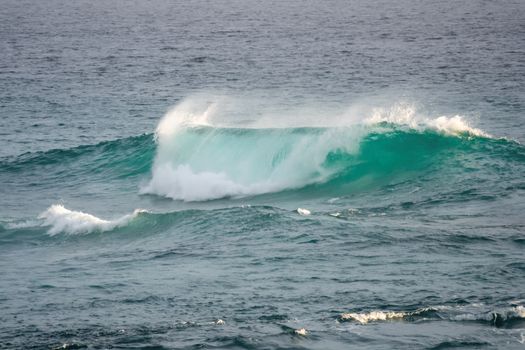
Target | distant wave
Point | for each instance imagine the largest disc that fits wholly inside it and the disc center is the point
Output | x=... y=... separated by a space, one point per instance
x=478 y=313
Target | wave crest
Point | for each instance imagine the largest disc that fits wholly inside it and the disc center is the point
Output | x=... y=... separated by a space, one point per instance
x=406 y=115
x=62 y=220
x=367 y=317
x=475 y=313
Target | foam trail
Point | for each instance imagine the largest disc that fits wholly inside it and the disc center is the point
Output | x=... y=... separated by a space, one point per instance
x=63 y=220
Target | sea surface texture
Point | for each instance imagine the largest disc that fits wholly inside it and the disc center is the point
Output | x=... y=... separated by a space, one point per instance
x=241 y=174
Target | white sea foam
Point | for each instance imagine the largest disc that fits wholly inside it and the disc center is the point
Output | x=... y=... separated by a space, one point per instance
x=301 y=331
x=406 y=114
x=303 y=212
x=367 y=317
x=62 y=220
x=182 y=183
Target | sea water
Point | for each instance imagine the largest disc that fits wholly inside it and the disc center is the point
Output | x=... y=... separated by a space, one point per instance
x=262 y=174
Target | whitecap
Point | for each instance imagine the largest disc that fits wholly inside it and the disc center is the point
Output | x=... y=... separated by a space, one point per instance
x=301 y=331
x=367 y=317
x=303 y=212
x=62 y=220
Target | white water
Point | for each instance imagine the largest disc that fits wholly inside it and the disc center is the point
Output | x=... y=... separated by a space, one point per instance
x=62 y=220
x=473 y=312
x=367 y=317
x=406 y=115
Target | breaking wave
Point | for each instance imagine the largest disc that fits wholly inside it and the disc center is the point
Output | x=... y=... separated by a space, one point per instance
x=200 y=157
x=62 y=220
x=58 y=220
x=200 y=153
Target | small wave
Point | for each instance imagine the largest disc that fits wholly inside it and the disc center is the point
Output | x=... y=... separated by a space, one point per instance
x=62 y=220
x=497 y=317
x=367 y=317
x=475 y=312
x=303 y=212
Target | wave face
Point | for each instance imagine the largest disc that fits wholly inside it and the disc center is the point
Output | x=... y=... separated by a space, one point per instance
x=200 y=159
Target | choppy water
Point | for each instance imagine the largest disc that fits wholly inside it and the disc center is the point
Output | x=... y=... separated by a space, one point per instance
x=262 y=175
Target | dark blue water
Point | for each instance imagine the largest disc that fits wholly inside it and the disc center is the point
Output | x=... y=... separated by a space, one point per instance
x=262 y=175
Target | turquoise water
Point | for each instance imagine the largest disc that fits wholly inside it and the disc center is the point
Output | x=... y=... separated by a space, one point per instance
x=244 y=175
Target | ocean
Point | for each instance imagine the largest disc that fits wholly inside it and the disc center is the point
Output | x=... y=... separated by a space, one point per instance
x=239 y=174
